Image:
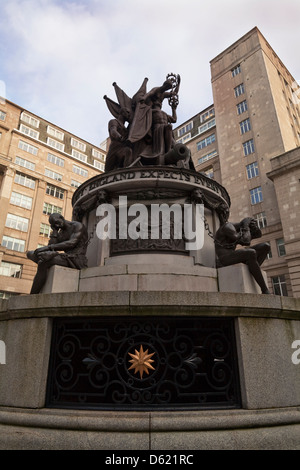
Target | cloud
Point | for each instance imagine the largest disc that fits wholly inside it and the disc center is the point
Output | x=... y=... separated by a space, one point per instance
x=59 y=58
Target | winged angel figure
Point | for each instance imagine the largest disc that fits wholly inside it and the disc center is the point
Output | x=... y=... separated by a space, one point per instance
x=148 y=137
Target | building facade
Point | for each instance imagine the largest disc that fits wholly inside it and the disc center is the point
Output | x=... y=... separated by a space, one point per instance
x=255 y=117
x=41 y=165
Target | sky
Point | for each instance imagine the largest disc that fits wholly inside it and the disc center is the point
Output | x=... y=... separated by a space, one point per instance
x=59 y=58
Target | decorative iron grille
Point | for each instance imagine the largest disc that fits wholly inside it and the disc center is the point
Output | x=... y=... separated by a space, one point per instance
x=145 y=363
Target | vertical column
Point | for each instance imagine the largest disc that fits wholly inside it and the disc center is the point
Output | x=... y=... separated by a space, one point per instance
x=33 y=235
x=68 y=205
x=294 y=271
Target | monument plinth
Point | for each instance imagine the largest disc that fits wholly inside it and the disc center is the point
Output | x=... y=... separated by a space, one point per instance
x=149 y=319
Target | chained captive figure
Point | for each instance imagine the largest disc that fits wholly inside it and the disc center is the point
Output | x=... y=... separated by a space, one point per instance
x=229 y=235
x=68 y=237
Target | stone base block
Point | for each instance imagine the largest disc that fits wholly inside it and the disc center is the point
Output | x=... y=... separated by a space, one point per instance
x=61 y=279
x=238 y=279
x=23 y=377
x=149 y=277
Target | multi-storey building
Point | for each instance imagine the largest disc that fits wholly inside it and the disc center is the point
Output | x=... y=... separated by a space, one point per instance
x=41 y=165
x=254 y=118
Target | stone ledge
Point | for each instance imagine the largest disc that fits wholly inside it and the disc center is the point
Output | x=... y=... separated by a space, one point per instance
x=94 y=420
x=121 y=303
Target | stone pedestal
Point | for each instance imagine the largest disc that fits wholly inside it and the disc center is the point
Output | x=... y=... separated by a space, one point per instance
x=265 y=328
x=152 y=273
x=237 y=278
x=61 y=279
x=222 y=376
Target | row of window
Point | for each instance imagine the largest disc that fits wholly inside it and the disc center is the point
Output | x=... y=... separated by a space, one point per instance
x=207 y=115
x=248 y=146
x=53 y=159
x=21 y=223
x=28 y=182
x=26 y=147
x=48 y=172
x=53 y=132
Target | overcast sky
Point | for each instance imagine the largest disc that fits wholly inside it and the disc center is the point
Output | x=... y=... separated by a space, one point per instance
x=59 y=58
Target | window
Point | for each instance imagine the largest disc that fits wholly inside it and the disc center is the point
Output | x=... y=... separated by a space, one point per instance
x=279 y=285
x=56 y=160
x=206 y=157
x=252 y=170
x=242 y=107
x=98 y=154
x=80 y=171
x=17 y=222
x=51 y=209
x=30 y=120
x=245 y=126
x=184 y=138
x=75 y=184
x=79 y=155
x=10 y=269
x=209 y=172
x=280 y=247
x=205 y=142
x=2 y=116
x=248 y=147
x=206 y=126
x=28 y=131
x=25 y=180
x=13 y=243
x=207 y=115
x=269 y=255
x=55 y=133
x=185 y=129
x=239 y=90
x=25 y=163
x=45 y=230
x=78 y=145
x=54 y=191
x=28 y=148
x=256 y=195
x=261 y=219
x=21 y=200
x=53 y=175
x=6 y=295
x=236 y=70
x=99 y=165
x=55 y=144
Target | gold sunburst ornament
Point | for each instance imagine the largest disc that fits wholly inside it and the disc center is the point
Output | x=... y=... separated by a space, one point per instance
x=141 y=361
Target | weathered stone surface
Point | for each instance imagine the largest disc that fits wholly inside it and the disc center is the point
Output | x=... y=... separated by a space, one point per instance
x=268 y=376
x=237 y=278
x=276 y=429
x=23 y=377
x=61 y=279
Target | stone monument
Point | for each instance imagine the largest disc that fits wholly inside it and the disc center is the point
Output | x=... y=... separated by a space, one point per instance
x=147 y=320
